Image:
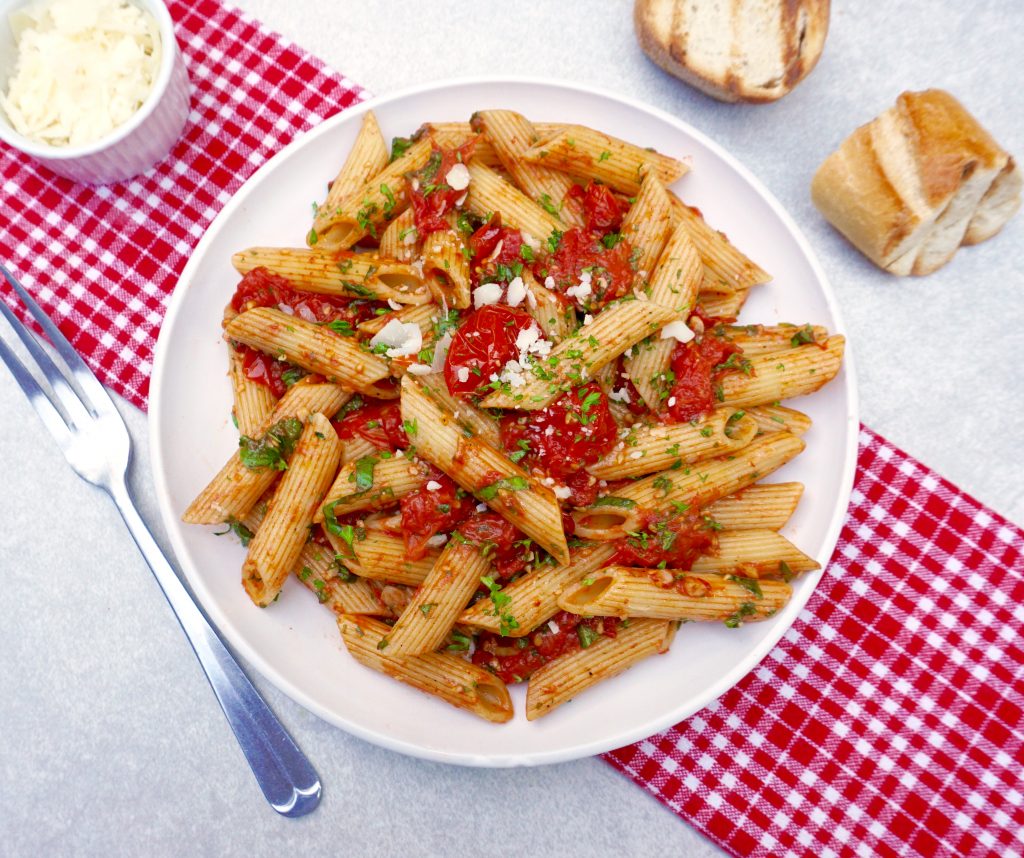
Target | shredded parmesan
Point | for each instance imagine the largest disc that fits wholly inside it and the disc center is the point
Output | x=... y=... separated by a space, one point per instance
x=678 y=331
x=458 y=177
x=401 y=338
x=489 y=293
x=83 y=68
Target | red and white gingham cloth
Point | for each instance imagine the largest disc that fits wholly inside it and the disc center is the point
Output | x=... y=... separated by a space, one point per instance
x=889 y=719
x=103 y=261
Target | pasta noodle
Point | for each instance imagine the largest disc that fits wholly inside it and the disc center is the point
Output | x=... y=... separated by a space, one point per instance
x=497 y=415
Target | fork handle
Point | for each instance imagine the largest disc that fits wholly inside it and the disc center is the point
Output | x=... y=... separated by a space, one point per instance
x=283 y=773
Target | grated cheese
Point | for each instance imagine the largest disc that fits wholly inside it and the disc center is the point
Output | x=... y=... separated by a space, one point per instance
x=678 y=331
x=83 y=68
x=401 y=338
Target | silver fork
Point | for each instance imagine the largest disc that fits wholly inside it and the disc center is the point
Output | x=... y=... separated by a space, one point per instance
x=95 y=441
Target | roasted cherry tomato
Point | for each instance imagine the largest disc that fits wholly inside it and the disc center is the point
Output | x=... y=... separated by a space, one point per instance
x=515 y=659
x=582 y=259
x=574 y=431
x=482 y=346
x=602 y=212
x=500 y=540
x=426 y=513
x=431 y=195
x=378 y=421
x=697 y=367
x=671 y=541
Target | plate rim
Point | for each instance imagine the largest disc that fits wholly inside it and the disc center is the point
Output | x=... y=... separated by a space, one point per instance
x=237 y=641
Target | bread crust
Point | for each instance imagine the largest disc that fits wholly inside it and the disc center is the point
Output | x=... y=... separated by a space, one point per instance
x=909 y=187
x=661 y=30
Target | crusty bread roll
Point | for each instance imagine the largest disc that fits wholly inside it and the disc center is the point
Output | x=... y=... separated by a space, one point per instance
x=911 y=186
x=734 y=50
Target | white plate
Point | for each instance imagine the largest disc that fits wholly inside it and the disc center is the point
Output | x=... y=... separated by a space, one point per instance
x=295 y=643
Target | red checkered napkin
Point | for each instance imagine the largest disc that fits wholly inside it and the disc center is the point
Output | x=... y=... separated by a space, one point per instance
x=103 y=261
x=890 y=719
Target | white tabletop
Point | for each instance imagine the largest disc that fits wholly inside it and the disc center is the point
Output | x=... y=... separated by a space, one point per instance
x=110 y=740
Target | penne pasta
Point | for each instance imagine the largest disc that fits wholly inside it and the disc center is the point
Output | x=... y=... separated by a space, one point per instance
x=368 y=156
x=472 y=420
x=253 y=402
x=437 y=603
x=275 y=549
x=452 y=679
x=647 y=226
x=554 y=319
x=533 y=598
x=698 y=485
x=323 y=575
x=345 y=274
x=370 y=483
x=646 y=449
x=564 y=678
x=400 y=239
x=778 y=418
x=781 y=375
x=579 y=357
x=674 y=285
x=723 y=262
x=756 y=554
x=313 y=347
x=583 y=151
x=760 y=506
x=675 y=594
x=759 y=339
x=237 y=488
x=489 y=193
x=422 y=315
x=511 y=134
x=381 y=556
x=381 y=199
x=483 y=471
x=446 y=264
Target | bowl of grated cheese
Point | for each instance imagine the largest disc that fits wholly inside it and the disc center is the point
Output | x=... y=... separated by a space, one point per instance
x=95 y=90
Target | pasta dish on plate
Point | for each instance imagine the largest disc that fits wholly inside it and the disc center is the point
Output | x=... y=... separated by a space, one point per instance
x=499 y=417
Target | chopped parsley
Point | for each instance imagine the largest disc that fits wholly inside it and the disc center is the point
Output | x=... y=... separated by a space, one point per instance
x=586 y=635
x=612 y=500
x=272 y=450
x=506 y=622
x=239 y=529
x=509 y=484
x=802 y=337
x=362 y=475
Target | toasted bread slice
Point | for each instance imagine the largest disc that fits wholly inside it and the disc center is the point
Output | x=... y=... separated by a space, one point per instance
x=734 y=50
x=911 y=186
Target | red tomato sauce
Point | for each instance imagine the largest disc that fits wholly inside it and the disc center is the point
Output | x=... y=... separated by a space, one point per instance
x=574 y=431
x=431 y=197
x=263 y=288
x=500 y=540
x=497 y=252
x=602 y=212
x=265 y=370
x=698 y=367
x=611 y=274
x=378 y=421
x=426 y=513
x=672 y=540
x=516 y=659
x=482 y=346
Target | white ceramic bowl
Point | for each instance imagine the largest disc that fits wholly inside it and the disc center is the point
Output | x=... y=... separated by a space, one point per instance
x=133 y=147
x=295 y=643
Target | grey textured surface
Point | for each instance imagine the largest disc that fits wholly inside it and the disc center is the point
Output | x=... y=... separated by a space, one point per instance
x=110 y=740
